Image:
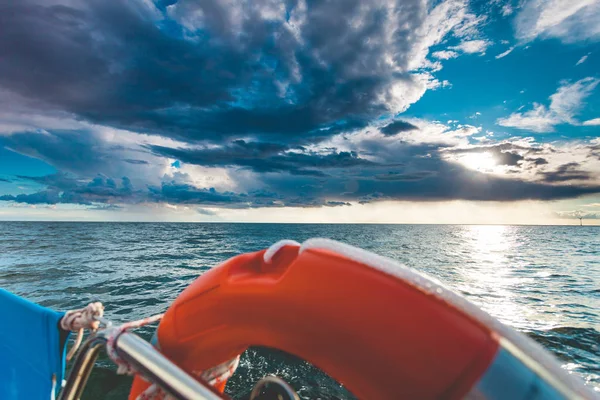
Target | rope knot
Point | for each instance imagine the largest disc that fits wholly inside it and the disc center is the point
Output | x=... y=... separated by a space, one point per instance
x=85 y=318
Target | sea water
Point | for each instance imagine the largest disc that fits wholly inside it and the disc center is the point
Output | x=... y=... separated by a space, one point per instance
x=541 y=280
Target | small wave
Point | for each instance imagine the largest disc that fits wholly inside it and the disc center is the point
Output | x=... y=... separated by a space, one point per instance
x=570 y=330
x=561 y=338
x=556 y=276
x=201 y=268
x=537 y=300
x=573 y=305
x=164 y=256
x=546 y=274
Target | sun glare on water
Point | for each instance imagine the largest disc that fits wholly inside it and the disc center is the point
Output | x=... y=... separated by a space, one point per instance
x=479 y=161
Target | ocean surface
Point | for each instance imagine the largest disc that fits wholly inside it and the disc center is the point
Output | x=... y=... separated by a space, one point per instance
x=541 y=280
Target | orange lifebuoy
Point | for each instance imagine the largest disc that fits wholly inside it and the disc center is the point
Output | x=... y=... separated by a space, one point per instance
x=381 y=330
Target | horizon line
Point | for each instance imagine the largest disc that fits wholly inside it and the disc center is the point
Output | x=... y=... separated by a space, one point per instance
x=291 y=223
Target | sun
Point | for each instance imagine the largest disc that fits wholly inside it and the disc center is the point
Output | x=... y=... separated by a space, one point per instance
x=483 y=162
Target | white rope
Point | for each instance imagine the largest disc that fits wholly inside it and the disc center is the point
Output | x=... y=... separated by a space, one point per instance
x=88 y=318
x=153 y=392
x=78 y=320
x=214 y=376
x=123 y=367
x=220 y=373
x=53 y=391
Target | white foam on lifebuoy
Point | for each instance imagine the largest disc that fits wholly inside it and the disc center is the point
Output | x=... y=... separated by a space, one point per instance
x=274 y=248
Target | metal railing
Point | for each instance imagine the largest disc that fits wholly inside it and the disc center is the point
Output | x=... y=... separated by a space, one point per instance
x=145 y=359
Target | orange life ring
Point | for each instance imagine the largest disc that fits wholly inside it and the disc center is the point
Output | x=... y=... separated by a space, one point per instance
x=382 y=330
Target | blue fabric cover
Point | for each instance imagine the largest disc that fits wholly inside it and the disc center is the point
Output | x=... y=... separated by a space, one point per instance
x=508 y=378
x=30 y=349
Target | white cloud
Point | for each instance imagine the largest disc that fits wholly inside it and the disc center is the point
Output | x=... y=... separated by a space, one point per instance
x=564 y=105
x=429 y=132
x=507 y=10
x=582 y=59
x=576 y=214
x=568 y=100
x=402 y=94
x=432 y=66
x=507 y=52
x=431 y=83
x=444 y=54
x=465 y=130
x=537 y=120
x=447 y=17
x=567 y=20
x=472 y=46
x=592 y=122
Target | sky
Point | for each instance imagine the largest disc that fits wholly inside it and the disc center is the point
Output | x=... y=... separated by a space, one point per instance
x=399 y=111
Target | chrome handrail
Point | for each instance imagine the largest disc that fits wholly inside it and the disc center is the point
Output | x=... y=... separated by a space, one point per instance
x=145 y=359
x=82 y=367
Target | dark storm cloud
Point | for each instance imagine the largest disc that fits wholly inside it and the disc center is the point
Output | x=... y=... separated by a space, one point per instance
x=59 y=181
x=294 y=176
x=409 y=176
x=508 y=158
x=188 y=194
x=136 y=162
x=106 y=207
x=73 y=151
x=454 y=184
x=336 y=204
x=106 y=193
x=42 y=197
x=264 y=157
x=81 y=152
x=397 y=127
x=566 y=172
x=203 y=211
x=537 y=161
x=65 y=189
x=450 y=182
x=594 y=151
x=460 y=183
x=177 y=193
x=203 y=70
x=424 y=174
x=61 y=188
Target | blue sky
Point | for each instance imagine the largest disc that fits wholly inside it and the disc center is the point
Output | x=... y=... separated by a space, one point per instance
x=290 y=110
